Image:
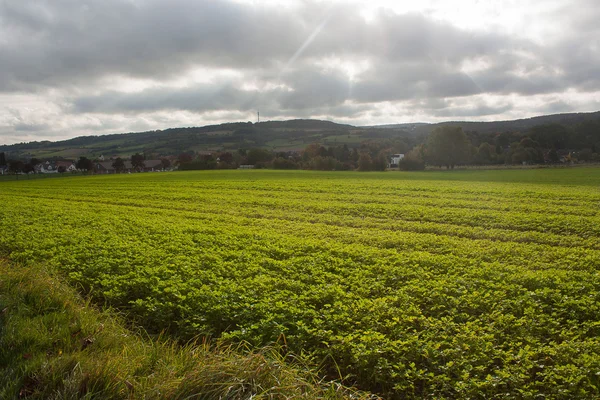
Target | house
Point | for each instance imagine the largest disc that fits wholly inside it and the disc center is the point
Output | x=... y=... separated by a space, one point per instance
x=106 y=167
x=395 y=160
x=47 y=167
x=153 y=165
x=53 y=167
x=66 y=166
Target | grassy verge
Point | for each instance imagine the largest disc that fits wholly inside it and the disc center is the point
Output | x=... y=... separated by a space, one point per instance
x=53 y=345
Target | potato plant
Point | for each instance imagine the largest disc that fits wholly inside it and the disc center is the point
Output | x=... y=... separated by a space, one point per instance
x=424 y=285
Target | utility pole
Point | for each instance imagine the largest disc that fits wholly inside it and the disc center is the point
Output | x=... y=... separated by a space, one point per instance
x=258 y=115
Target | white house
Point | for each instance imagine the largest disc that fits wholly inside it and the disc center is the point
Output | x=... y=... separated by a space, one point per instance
x=52 y=167
x=395 y=159
x=47 y=168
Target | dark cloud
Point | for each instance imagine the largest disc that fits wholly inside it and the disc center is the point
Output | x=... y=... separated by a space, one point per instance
x=65 y=41
x=478 y=110
x=290 y=61
x=200 y=98
x=62 y=42
x=307 y=89
x=555 y=107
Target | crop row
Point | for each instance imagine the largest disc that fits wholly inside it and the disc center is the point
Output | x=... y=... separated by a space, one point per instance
x=413 y=296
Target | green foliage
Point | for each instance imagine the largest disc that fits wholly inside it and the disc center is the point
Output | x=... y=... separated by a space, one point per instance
x=413 y=161
x=456 y=285
x=118 y=165
x=551 y=136
x=137 y=162
x=202 y=162
x=84 y=164
x=284 y=163
x=365 y=163
x=255 y=156
x=54 y=345
x=16 y=166
x=448 y=146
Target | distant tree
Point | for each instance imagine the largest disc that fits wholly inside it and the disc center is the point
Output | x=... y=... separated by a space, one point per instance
x=585 y=155
x=137 y=162
x=284 y=163
x=119 y=165
x=486 y=154
x=520 y=156
x=15 y=166
x=311 y=151
x=551 y=136
x=447 y=145
x=413 y=161
x=504 y=139
x=527 y=151
x=84 y=164
x=28 y=168
x=2 y=159
x=202 y=162
x=255 y=156
x=184 y=158
x=364 y=162
x=35 y=161
x=553 y=156
x=62 y=169
x=342 y=153
x=322 y=163
x=354 y=155
x=586 y=135
x=379 y=163
x=165 y=163
x=226 y=157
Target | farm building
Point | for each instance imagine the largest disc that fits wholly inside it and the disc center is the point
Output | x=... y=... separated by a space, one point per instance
x=395 y=160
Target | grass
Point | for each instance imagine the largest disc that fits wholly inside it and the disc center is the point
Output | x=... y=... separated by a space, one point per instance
x=54 y=345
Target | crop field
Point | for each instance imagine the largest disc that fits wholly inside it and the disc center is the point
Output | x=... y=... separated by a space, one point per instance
x=451 y=284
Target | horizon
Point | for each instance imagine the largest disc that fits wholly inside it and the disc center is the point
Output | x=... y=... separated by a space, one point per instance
x=295 y=119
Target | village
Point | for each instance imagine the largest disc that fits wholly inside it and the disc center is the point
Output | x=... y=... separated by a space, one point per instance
x=99 y=165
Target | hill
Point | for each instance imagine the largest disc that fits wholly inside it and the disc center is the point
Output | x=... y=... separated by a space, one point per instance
x=273 y=135
x=567 y=120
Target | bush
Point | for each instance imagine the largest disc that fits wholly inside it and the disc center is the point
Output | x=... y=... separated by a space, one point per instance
x=284 y=163
x=411 y=164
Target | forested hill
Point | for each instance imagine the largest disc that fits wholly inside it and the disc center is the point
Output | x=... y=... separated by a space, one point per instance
x=519 y=125
x=272 y=135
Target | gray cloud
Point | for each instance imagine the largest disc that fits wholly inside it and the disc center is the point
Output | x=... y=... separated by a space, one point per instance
x=31 y=127
x=201 y=98
x=71 y=48
x=66 y=41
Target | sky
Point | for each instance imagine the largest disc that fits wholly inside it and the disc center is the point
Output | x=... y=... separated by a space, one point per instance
x=90 y=67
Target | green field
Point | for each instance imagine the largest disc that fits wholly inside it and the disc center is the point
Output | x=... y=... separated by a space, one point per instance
x=450 y=284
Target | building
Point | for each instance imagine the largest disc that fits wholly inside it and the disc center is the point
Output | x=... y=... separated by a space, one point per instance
x=395 y=160
x=66 y=166
x=53 y=167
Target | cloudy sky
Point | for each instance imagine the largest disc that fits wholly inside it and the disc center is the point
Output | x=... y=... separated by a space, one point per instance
x=85 y=67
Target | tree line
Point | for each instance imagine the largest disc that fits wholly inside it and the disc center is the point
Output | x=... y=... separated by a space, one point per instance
x=446 y=146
